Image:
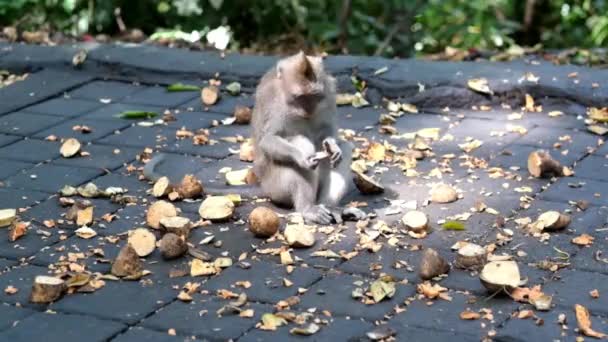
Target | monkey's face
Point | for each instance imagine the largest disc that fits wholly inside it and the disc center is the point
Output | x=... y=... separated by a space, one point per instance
x=302 y=77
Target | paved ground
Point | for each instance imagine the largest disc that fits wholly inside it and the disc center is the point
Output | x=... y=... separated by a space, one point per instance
x=56 y=97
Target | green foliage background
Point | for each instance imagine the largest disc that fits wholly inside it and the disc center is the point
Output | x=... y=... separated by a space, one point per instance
x=386 y=27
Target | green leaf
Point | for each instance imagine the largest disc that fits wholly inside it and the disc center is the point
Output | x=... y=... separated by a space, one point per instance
x=182 y=87
x=136 y=114
x=453 y=225
x=234 y=88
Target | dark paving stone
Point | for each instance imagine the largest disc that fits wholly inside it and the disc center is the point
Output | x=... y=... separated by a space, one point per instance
x=217 y=151
x=21 y=198
x=5 y=265
x=185 y=318
x=587 y=258
x=142 y=334
x=64 y=107
x=100 y=129
x=593 y=167
x=10 y=168
x=266 y=281
x=58 y=254
x=405 y=331
x=51 y=210
x=112 y=90
x=337 y=329
x=101 y=157
x=138 y=136
x=7 y=139
x=51 y=178
x=517 y=156
x=38 y=87
x=22 y=123
x=373 y=265
x=357 y=118
x=573 y=288
x=111 y=111
x=126 y=218
x=196 y=120
x=225 y=105
x=159 y=96
x=127 y=301
x=130 y=182
x=31 y=150
x=444 y=315
x=337 y=297
x=22 y=278
x=495 y=135
x=11 y=316
x=235 y=239
x=62 y=328
x=29 y=244
x=550 y=330
x=578 y=144
x=596 y=192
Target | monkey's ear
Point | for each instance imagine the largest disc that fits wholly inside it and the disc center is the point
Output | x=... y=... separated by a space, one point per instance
x=303 y=66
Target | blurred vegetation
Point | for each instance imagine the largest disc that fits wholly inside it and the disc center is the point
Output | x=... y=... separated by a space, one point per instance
x=383 y=27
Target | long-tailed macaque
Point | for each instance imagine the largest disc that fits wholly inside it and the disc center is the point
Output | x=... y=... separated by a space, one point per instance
x=298 y=161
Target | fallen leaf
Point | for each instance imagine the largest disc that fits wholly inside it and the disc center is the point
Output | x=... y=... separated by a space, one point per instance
x=480 y=85
x=381 y=289
x=594 y=293
x=271 y=322
x=453 y=225
x=583 y=319
x=469 y=315
x=175 y=87
x=598 y=114
x=583 y=240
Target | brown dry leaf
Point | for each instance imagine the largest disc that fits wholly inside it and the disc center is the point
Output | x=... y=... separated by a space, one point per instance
x=108 y=217
x=11 y=290
x=243 y=283
x=226 y=294
x=583 y=240
x=248 y=313
x=183 y=133
x=594 y=293
x=524 y=314
x=18 y=230
x=430 y=291
x=376 y=152
x=583 y=318
x=530 y=103
x=49 y=223
x=84 y=216
x=469 y=315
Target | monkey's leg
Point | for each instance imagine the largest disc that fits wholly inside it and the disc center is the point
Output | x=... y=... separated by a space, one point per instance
x=337 y=182
x=294 y=188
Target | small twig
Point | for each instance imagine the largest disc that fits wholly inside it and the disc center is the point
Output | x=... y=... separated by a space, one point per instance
x=394 y=30
x=567 y=256
x=344 y=16
x=121 y=24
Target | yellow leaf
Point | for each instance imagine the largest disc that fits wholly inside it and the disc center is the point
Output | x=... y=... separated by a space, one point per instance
x=480 y=85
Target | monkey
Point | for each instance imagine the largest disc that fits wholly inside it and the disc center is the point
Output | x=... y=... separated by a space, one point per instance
x=298 y=160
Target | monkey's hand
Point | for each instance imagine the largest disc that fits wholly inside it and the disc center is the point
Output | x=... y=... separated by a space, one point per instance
x=310 y=162
x=335 y=153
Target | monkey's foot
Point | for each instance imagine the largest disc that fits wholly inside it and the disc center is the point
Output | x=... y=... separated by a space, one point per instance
x=318 y=214
x=353 y=214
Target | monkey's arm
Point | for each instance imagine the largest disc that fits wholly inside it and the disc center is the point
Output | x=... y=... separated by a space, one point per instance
x=282 y=151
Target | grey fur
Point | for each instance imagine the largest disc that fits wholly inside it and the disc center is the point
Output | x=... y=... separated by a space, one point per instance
x=294 y=117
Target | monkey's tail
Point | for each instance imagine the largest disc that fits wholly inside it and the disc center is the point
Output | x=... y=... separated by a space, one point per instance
x=247 y=191
x=149 y=170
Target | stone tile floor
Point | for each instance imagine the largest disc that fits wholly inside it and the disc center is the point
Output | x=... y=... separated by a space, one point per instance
x=495 y=174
